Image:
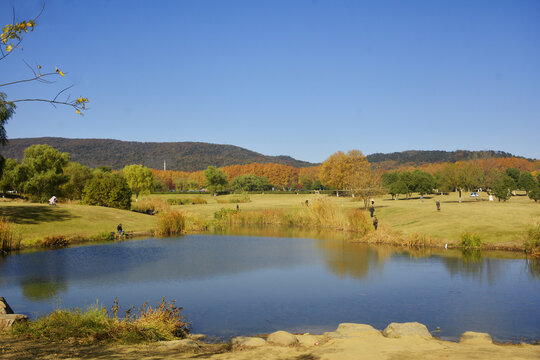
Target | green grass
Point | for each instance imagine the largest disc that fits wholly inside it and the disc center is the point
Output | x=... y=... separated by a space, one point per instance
x=497 y=223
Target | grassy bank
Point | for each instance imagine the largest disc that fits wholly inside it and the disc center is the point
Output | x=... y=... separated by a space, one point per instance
x=498 y=224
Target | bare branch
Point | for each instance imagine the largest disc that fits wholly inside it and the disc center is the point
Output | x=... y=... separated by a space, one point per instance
x=57 y=95
x=38 y=77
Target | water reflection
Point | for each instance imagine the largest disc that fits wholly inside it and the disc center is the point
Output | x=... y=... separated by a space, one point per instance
x=42 y=289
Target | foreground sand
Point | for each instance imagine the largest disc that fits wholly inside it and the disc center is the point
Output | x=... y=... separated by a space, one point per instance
x=353 y=342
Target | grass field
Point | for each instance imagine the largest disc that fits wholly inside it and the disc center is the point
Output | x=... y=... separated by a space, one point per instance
x=498 y=223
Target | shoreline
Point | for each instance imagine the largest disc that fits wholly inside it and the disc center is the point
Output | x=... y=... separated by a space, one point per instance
x=348 y=341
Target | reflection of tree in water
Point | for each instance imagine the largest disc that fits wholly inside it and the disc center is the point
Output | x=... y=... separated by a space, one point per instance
x=41 y=289
x=471 y=264
x=352 y=259
x=533 y=265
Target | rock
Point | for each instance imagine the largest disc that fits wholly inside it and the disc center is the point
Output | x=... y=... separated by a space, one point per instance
x=7 y=320
x=4 y=307
x=346 y=330
x=182 y=343
x=198 y=337
x=307 y=340
x=475 y=337
x=248 y=341
x=282 y=338
x=397 y=330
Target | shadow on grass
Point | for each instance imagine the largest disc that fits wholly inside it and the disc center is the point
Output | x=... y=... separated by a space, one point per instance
x=28 y=215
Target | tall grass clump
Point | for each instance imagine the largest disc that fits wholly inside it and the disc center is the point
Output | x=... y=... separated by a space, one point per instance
x=150 y=206
x=55 y=241
x=358 y=222
x=95 y=324
x=9 y=240
x=470 y=241
x=170 y=223
x=103 y=236
x=531 y=241
x=237 y=199
x=198 y=200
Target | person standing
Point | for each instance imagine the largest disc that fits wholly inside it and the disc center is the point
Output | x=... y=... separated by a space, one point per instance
x=375 y=222
x=438 y=204
x=371 y=210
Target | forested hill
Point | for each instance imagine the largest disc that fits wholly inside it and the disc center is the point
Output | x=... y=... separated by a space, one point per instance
x=184 y=156
x=418 y=157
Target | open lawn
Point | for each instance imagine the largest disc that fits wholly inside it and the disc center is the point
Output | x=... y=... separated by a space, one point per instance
x=498 y=223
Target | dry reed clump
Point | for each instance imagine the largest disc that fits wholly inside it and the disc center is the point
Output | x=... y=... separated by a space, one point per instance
x=55 y=241
x=232 y=217
x=150 y=206
x=195 y=223
x=531 y=241
x=147 y=323
x=198 y=201
x=170 y=223
x=358 y=222
x=235 y=200
x=9 y=240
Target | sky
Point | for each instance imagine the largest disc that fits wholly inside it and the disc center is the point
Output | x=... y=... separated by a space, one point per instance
x=299 y=78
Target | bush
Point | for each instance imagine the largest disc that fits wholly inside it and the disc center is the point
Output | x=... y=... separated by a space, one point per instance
x=55 y=241
x=235 y=200
x=470 y=241
x=164 y=322
x=9 y=240
x=198 y=200
x=170 y=223
x=150 y=206
x=103 y=236
x=531 y=241
x=107 y=189
x=183 y=201
x=358 y=222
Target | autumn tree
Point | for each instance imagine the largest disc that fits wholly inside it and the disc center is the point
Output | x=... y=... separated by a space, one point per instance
x=461 y=176
x=139 y=179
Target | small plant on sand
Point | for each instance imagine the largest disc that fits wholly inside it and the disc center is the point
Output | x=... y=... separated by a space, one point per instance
x=55 y=241
x=9 y=240
x=470 y=241
x=531 y=241
x=95 y=324
x=170 y=223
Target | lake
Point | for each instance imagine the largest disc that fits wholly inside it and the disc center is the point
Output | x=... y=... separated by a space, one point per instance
x=238 y=285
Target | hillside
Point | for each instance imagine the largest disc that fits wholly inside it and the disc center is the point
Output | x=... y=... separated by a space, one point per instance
x=184 y=156
x=419 y=157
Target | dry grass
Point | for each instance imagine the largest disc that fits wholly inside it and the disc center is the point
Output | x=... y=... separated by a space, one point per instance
x=9 y=239
x=170 y=223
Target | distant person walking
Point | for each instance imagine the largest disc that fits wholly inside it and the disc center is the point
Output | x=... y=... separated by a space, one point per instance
x=375 y=222
x=372 y=202
x=438 y=204
x=371 y=210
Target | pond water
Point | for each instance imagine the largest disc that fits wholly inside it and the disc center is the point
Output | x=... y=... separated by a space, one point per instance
x=237 y=285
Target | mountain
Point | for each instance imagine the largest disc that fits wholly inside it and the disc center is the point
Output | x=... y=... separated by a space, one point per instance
x=184 y=156
x=418 y=157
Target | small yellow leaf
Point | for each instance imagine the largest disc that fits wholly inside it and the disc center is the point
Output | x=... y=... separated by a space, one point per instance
x=61 y=73
x=79 y=112
x=39 y=66
x=9 y=48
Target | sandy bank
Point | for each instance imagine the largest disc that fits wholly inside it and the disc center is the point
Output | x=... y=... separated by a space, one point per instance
x=349 y=341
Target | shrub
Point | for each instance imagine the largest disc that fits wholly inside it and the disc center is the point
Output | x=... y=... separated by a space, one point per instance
x=531 y=241
x=224 y=215
x=164 y=322
x=183 y=201
x=170 y=223
x=470 y=241
x=103 y=236
x=235 y=200
x=55 y=241
x=198 y=200
x=107 y=189
x=9 y=240
x=150 y=206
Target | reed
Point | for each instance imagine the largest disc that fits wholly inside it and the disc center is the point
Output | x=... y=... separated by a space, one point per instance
x=470 y=241
x=170 y=223
x=9 y=239
x=150 y=206
x=531 y=241
x=55 y=241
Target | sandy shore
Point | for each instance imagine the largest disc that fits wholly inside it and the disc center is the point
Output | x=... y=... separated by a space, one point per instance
x=349 y=341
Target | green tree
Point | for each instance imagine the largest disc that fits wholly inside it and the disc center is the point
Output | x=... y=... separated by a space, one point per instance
x=9 y=182
x=398 y=187
x=78 y=176
x=527 y=182
x=514 y=174
x=183 y=184
x=502 y=187
x=216 y=180
x=534 y=193
x=139 y=179
x=461 y=176
x=250 y=182
x=41 y=172
x=107 y=189
x=423 y=182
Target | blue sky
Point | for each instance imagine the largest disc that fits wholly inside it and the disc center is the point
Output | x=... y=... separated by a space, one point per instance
x=299 y=78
